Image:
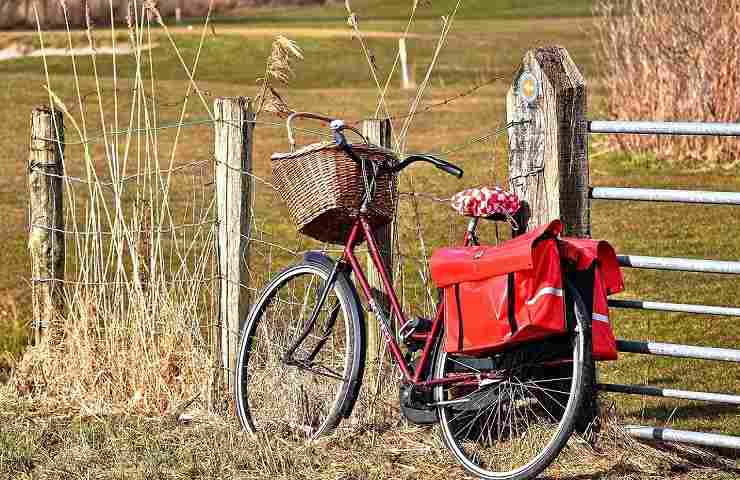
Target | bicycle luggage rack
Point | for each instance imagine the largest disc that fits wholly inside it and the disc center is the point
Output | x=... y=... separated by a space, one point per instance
x=673 y=264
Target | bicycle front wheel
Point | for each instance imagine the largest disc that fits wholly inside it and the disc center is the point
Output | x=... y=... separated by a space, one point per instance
x=300 y=358
x=512 y=427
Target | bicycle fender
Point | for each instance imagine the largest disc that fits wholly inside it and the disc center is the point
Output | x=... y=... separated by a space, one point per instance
x=318 y=257
x=343 y=276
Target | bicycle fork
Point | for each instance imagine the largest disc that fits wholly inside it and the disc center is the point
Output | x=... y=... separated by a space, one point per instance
x=288 y=358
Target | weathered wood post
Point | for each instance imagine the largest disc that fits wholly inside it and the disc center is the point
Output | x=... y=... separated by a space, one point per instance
x=379 y=133
x=233 y=136
x=548 y=156
x=46 y=234
x=548 y=151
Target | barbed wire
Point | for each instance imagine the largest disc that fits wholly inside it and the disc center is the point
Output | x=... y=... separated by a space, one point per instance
x=123 y=179
x=446 y=151
x=174 y=125
x=446 y=101
x=182 y=226
x=207 y=120
x=482 y=138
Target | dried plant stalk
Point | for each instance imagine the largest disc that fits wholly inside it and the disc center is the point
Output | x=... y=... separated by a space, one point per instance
x=279 y=67
x=672 y=60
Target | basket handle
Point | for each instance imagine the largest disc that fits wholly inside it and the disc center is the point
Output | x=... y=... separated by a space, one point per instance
x=315 y=116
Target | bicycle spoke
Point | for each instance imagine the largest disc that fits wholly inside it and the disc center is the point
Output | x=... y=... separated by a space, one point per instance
x=300 y=392
x=553 y=417
x=548 y=380
x=464 y=365
x=471 y=423
x=546 y=410
x=514 y=423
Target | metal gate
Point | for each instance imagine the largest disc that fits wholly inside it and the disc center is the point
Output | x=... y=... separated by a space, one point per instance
x=673 y=264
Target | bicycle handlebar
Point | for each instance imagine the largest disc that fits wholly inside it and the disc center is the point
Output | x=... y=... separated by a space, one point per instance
x=291 y=138
x=339 y=138
x=443 y=165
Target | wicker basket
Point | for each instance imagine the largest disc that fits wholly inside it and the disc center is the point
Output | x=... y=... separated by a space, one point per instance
x=323 y=188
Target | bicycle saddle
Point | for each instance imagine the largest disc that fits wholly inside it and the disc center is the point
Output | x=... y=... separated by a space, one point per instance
x=484 y=202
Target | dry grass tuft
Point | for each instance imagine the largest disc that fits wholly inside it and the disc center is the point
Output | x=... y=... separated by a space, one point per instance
x=279 y=68
x=11 y=325
x=673 y=60
x=208 y=446
x=279 y=63
x=134 y=333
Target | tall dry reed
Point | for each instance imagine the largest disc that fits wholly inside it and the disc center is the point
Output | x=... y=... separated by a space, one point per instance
x=672 y=60
x=139 y=229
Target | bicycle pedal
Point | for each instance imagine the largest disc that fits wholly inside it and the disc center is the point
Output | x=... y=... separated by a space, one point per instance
x=418 y=324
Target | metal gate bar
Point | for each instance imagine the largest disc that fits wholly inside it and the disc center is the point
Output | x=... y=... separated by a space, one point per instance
x=681 y=436
x=670 y=393
x=675 y=264
x=665 y=195
x=675 y=307
x=665 y=128
x=679 y=264
x=680 y=351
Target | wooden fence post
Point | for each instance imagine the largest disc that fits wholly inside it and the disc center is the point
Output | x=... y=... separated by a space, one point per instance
x=548 y=156
x=379 y=133
x=233 y=136
x=46 y=234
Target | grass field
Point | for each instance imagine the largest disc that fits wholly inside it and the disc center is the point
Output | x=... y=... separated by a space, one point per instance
x=488 y=39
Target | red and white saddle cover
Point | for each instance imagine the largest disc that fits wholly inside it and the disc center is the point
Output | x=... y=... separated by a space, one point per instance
x=485 y=202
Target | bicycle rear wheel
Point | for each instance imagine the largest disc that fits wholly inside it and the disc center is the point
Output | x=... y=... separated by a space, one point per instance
x=295 y=376
x=513 y=427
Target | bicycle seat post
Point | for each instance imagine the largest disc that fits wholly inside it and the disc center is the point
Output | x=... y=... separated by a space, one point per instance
x=470 y=237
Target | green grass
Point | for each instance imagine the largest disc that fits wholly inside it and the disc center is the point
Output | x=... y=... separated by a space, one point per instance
x=472 y=54
x=398 y=10
x=489 y=39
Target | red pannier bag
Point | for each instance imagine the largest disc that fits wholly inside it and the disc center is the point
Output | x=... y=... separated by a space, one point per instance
x=481 y=315
x=592 y=267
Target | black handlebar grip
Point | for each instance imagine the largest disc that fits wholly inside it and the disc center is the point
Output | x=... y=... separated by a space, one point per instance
x=450 y=168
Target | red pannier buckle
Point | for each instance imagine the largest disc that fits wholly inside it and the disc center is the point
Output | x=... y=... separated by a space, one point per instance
x=497 y=296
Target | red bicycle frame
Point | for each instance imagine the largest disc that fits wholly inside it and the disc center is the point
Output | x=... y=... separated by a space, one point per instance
x=360 y=229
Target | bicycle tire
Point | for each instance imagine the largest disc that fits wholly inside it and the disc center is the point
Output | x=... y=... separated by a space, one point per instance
x=582 y=372
x=287 y=400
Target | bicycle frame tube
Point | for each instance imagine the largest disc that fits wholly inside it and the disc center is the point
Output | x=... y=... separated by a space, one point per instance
x=362 y=227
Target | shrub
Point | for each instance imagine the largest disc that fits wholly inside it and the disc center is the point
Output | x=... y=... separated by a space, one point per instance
x=672 y=60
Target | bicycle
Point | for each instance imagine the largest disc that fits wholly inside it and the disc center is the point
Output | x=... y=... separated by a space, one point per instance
x=503 y=415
